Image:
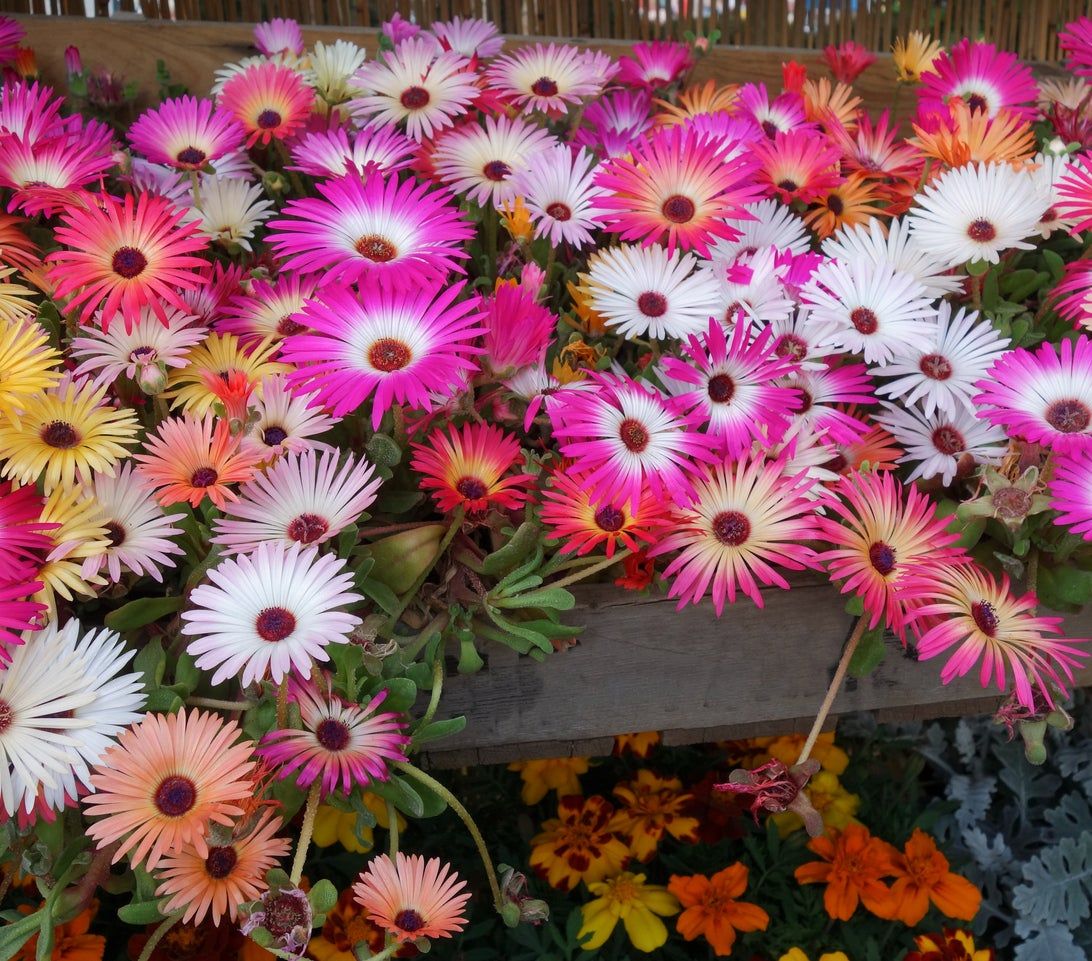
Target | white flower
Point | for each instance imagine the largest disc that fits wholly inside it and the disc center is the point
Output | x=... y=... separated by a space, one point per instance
x=802 y=339
x=938 y=442
x=942 y=375
x=286 y=419
x=1051 y=167
x=559 y=190
x=647 y=292
x=752 y=283
x=774 y=225
x=332 y=68
x=977 y=212
x=229 y=210
x=270 y=612
x=469 y=36
x=872 y=309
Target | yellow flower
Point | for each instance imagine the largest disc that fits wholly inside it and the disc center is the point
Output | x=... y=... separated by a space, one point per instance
x=13 y=303
x=582 y=298
x=517 y=220
x=65 y=433
x=333 y=826
x=835 y=804
x=651 y=806
x=558 y=774
x=639 y=745
x=81 y=534
x=28 y=364
x=627 y=898
x=795 y=954
x=220 y=356
x=949 y=944
x=578 y=845
x=914 y=55
x=786 y=749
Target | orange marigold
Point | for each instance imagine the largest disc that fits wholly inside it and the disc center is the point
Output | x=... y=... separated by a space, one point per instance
x=578 y=845
x=854 y=862
x=710 y=908
x=922 y=875
x=71 y=942
x=650 y=807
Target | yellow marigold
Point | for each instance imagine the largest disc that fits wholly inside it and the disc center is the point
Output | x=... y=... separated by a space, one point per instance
x=796 y=954
x=949 y=944
x=639 y=745
x=695 y=101
x=639 y=906
x=914 y=55
x=71 y=941
x=517 y=220
x=651 y=806
x=223 y=357
x=560 y=774
x=578 y=845
x=333 y=826
x=786 y=749
x=835 y=804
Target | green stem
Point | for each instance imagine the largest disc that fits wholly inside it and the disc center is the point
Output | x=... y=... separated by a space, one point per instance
x=218 y=705
x=306 y=830
x=489 y=225
x=437 y=688
x=832 y=691
x=404 y=601
x=594 y=569
x=158 y=934
x=1033 y=570
x=387 y=952
x=195 y=180
x=464 y=815
x=392 y=830
x=413 y=648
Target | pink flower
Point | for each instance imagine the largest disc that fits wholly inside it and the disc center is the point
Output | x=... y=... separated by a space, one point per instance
x=279 y=36
x=655 y=65
x=270 y=100
x=1076 y=41
x=517 y=330
x=186 y=133
x=1071 y=492
x=848 y=60
x=799 y=165
x=978 y=73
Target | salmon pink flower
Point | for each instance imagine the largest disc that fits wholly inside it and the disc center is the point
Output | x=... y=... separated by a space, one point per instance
x=412 y=898
x=584 y=524
x=271 y=101
x=797 y=165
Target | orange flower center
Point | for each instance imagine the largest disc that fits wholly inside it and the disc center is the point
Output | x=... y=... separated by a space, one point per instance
x=389 y=355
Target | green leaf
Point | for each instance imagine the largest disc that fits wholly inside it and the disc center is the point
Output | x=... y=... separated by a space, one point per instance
x=556 y=598
x=438 y=729
x=186 y=673
x=380 y=593
x=152 y=663
x=521 y=544
x=44 y=950
x=401 y=693
x=140 y=912
x=162 y=700
x=401 y=795
x=322 y=896
x=1059 y=884
x=855 y=606
x=976 y=268
x=383 y=451
x=1054 y=264
x=139 y=613
x=470 y=661
x=1059 y=586
x=870 y=653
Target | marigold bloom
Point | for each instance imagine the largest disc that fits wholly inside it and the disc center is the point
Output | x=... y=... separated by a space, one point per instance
x=71 y=940
x=578 y=845
x=650 y=807
x=787 y=748
x=124 y=256
x=411 y=898
x=796 y=954
x=639 y=745
x=270 y=100
x=922 y=876
x=948 y=945
x=637 y=904
x=852 y=866
x=558 y=774
x=711 y=909
x=165 y=782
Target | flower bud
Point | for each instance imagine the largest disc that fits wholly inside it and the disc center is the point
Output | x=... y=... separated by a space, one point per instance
x=401 y=558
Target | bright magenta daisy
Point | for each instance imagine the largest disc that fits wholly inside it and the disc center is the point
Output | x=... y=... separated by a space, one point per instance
x=1071 y=490
x=1044 y=397
x=23 y=537
x=1076 y=41
x=340 y=743
x=186 y=133
x=888 y=545
x=412 y=898
x=270 y=101
x=823 y=390
x=268 y=309
x=338 y=152
x=469 y=468
x=518 y=331
x=747 y=520
x=399 y=232
x=680 y=187
x=733 y=385
x=18 y=613
x=29 y=110
x=654 y=65
x=798 y=165
x=624 y=435
x=47 y=176
x=1074 y=192
x=393 y=346
x=123 y=257
x=989 y=626
x=984 y=77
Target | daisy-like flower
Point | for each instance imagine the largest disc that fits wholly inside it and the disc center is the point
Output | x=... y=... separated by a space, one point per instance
x=888 y=545
x=215 y=884
x=584 y=525
x=215 y=362
x=823 y=391
x=518 y=331
x=649 y=291
x=23 y=536
x=268 y=309
x=140 y=536
x=393 y=346
x=15 y=302
x=338 y=152
x=186 y=133
x=143 y=354
x=1053 y=173
x=614 y=121
x=963 y=136
x=1072 y=296
x=29 y=110
x=469 y=36
x=188 y=459
x=560 y=193
x=944 y=375
x=848 y=60
x=1071 y=492
x=989 y=626
x=340 y=744
x=415 y=85
x=797 y=165
x=986 y=78
x=897 y=247
x=976 y=212
x=285 y=419
x=165 y=782
x=412 y=898
x=748 y=519
x=270 y=613
x=332 y=68
x=752 y=288
x=780 y=115
x=29 y=362
x=769 y=224
x=875 y=150
x=271 y=101
x=655 y=65
x=279 y=37
x=46 y=176
x=469 y=468
x=1044 y=397
x=304 y=497
x=942 y=443
x=914 y=55
x=1076 y=41
x=874 y=309
x=480 y=161
x=547 y=77
x=73 y=523
x=124 y=256
x=400 y=232
x=64 y=432
x=624 y=435
x=850 y=203
x=229 y=210
x=679 y=186
x=733 y=386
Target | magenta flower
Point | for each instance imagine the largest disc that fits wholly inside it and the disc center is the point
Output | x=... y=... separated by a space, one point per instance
x=654 y=65
x=518 y=331
x=986 y=78
x=186 y=133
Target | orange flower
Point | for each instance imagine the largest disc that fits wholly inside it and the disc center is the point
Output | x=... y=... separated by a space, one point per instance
x=710 y=908
x=71 y=942
x=696 y=101
x=975 y=137
x=639 y=745
x=650 y=807
x=830 y=105
x=578 y=845
x=846 y=205
x=922 y=875
x=852 y=866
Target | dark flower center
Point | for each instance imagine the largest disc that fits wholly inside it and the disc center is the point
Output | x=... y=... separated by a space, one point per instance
x=332 y=735
x=409 y=920
x=976 y=102
x=287 y=327
x=1068 y=416
x=307 y=528
x=679 y=209
x=269 y=119
x=544 y=87
x=935 y=366
x=1011 y=503
x=769 y=128
x=175 y=796
x=1051 y=213
x=203 y=477
x=882 y=557
x=60 y=434
x=376 y=248
x=806 y=400
x=559 y=211
x=285 y=912
x=414 y=98
x=389 y=355
x=115 y=534
x=634 y=435
x=609 y=519
x=7 y=715
x=652 y=304
x=788 y=185
x=985 y=617
x=864 y=320
x=274 y=435
x=275 y=624
x=128 y=262
x=721 y=388
x=497 y=170
x=981 y=230
x=472 y=488
x=948 y=440
x=731 y=528
x=220 y=862
x=791 y=347
x=191 y=157
x=835 y=205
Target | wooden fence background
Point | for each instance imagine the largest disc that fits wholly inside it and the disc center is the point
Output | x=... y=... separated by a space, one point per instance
x=1027 y=27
